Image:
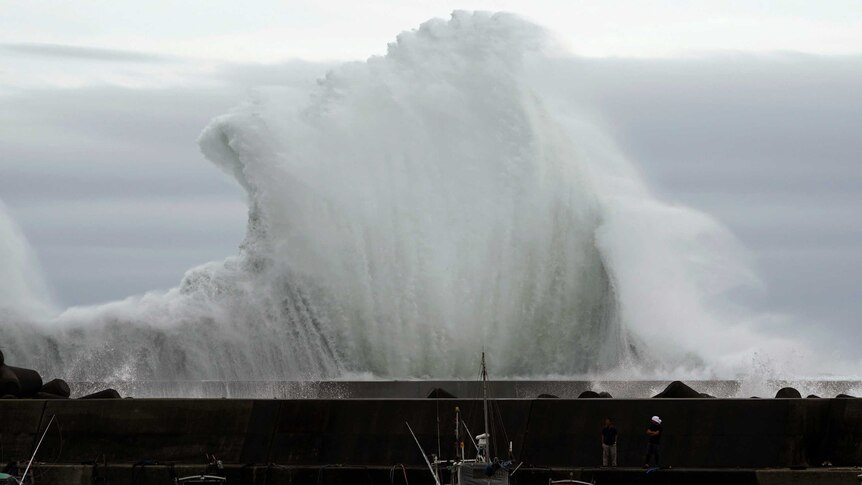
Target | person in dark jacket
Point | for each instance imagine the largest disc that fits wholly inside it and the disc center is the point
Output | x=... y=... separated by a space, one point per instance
x=653 y=432
x=609 y=444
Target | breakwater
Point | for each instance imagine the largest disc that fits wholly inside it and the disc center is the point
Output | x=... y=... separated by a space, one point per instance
x=524 y=389
x=545 y=433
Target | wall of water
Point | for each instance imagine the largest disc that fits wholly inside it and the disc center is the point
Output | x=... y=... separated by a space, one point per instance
x=410 y=211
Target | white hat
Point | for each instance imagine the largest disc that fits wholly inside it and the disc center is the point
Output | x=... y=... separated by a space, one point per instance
x=656 y=419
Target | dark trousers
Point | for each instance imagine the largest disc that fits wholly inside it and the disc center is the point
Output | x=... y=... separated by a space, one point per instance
x=652 y=450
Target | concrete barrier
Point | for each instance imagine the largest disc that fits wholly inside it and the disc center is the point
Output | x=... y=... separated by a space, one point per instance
x=132 y=430
x=20 y=422
x=698 y=433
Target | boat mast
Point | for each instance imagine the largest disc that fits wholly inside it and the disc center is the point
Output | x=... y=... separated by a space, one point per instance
x=485 y=406
x=459 y=446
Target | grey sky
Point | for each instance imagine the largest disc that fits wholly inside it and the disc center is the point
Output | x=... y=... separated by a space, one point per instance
x=272 y=30
x=109 y=187
x=98 y=122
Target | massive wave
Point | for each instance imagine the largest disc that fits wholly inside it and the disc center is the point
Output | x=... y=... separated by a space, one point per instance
x=409 y=212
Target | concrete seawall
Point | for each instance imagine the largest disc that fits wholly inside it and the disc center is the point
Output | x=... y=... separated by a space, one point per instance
x=555 y=433
x=523 y=389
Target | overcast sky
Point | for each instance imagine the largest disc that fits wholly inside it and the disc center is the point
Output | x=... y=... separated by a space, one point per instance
x=750 y=111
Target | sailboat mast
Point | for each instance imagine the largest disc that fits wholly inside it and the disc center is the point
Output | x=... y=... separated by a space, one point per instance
x=485 y=406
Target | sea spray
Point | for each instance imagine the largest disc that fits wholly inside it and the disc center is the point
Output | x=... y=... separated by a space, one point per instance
x=23 y=293
x=410 y=211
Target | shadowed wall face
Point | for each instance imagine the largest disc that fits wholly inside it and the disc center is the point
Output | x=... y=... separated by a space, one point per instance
x=705 y=433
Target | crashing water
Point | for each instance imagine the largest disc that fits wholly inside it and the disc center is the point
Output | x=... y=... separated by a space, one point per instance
x=410 y=211
x=22 y=292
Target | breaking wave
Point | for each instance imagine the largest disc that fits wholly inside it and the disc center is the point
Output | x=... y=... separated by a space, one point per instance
x=410 y=211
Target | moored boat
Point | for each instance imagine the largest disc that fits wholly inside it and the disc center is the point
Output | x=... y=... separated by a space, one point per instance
x=483 y=469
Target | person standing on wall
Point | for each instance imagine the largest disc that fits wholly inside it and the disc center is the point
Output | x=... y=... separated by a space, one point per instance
x=653 y=432
x=609 y=444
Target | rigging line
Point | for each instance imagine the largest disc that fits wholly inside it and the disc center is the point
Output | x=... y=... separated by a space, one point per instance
x=60 y=447
x=497 y=421
x=470 y=435
x=496 y=425
x=41 y=420
x=424 y=456
x=493 y=412
x=37 y=448
x=526 y=433
x=500 y=420
x=392 y=474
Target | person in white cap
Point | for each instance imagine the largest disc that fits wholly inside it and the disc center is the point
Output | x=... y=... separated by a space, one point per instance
x=654 y=437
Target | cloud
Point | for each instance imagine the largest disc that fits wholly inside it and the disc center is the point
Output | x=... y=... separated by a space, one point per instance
x=99 y=249
x=81 y=53
x=110 y=188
